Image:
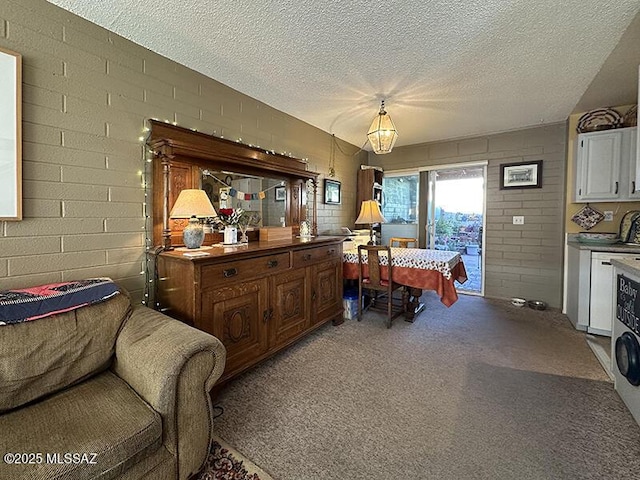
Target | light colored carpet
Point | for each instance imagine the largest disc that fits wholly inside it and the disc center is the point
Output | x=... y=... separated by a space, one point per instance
x=481 y=390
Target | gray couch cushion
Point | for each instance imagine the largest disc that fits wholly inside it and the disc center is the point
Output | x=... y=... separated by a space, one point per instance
x=46 y=355
x=101 y=416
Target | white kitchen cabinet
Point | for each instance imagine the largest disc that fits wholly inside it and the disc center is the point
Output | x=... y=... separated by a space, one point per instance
x=602 y=291
x=634 y=169
x=606 y=166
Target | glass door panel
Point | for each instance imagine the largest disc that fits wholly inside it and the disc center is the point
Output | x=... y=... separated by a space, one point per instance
x=455 y=217
x=400 y=206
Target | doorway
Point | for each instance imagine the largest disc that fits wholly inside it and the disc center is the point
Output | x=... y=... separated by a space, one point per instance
x=455 y=218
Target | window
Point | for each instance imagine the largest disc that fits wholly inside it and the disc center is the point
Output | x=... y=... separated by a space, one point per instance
x=400 y=198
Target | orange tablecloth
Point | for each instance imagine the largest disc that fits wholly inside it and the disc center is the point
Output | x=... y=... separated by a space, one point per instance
x=418 y=268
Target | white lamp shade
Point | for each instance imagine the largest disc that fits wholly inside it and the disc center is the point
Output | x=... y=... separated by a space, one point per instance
x=382 y=133
x=370 y=213
x=192 y=202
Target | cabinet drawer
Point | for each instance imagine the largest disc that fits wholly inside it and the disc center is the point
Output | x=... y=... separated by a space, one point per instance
x=244 y=269
x=309 y=256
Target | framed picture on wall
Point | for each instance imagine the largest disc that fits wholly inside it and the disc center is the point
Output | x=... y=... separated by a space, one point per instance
x=10 y=135
x=521 y=175
x=281 y=194
x=332 y=192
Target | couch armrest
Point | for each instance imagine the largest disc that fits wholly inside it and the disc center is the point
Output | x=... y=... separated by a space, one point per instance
x=172 y=366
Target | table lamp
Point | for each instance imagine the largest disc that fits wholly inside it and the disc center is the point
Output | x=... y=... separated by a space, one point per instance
x=370 y=213
x=193 y=204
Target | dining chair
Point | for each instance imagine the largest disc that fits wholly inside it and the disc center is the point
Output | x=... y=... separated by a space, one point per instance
x=374 y=282
x=403 y=242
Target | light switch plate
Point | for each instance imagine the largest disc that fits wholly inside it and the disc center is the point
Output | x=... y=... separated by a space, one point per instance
x=518 y=219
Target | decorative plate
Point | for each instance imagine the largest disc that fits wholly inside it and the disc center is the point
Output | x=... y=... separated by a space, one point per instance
x=587 y=217
x=630 y=118
x=599 y=119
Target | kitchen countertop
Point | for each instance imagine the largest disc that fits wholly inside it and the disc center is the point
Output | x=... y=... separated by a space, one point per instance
x=616 y=247
x=631 y=267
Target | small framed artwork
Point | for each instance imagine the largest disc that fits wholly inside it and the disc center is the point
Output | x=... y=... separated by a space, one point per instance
x=521 y=175
x=332 y=192
x=281 y=194
x=10 y=135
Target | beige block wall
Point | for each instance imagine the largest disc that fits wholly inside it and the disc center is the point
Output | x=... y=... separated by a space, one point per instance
x=87 y=94
x=618 y=208
x=521 y=260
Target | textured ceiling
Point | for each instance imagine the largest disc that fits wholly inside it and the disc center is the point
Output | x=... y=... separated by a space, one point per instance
x=446 y=68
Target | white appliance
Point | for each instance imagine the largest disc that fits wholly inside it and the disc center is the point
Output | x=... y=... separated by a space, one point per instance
x=602 y=292
x=625 y=344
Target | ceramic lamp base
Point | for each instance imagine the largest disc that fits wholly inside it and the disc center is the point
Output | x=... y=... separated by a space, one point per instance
x=193 y=234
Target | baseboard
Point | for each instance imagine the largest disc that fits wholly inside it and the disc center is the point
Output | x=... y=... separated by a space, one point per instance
x=601 y=353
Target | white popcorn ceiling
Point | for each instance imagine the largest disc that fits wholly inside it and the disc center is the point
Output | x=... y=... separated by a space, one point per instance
x=446 y=68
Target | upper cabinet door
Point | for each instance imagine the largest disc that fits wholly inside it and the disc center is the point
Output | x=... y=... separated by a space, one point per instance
x=634 y=168
x=598 y=166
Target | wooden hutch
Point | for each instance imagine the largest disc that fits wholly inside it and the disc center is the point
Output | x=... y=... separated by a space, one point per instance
x=257 y=298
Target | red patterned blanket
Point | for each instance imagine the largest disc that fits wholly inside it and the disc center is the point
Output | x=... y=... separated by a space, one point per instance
x=26 y=304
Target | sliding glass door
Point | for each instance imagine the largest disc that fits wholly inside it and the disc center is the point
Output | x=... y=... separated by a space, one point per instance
x=443 y=207
x=455 y=217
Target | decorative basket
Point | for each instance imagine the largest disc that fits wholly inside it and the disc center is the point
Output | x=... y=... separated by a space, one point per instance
x=630 y=119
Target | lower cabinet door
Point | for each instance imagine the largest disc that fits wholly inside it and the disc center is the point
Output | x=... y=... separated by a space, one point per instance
x=602 y=288
x=291 y=311
x=326 y=294
x=238 y=316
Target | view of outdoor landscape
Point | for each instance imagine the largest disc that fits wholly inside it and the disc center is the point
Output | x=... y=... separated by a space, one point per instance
x=455 y=214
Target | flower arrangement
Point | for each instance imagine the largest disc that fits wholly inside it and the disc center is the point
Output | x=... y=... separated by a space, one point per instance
x=237 y=218
x=230 y=216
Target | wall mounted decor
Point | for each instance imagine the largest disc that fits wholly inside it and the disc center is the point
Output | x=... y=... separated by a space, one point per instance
x=599 y=119
x=332 y=192
x=10 y=135
x=281 y=194
x=521 y=175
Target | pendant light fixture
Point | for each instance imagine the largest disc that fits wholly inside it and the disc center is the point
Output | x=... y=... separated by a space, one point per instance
x=382 y=133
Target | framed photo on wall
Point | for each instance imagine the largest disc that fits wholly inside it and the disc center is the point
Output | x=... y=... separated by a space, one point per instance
x=281 y=194
x=332 y=192
x=521 y=175
x=10 y=135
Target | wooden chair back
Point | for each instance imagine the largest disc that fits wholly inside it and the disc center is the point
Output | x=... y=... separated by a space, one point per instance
x=374 y=280
x=403 y=242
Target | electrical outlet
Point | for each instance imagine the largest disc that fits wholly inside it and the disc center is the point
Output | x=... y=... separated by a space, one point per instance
x=608 y=216
x=518 y=219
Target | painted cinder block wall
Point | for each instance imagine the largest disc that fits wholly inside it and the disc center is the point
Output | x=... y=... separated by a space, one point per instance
x=521 y=260
x=87 y=94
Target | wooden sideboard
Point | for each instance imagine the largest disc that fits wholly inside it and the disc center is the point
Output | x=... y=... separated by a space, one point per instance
x=256 y=299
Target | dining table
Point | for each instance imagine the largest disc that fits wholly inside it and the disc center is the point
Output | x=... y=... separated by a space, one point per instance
x=418 y=269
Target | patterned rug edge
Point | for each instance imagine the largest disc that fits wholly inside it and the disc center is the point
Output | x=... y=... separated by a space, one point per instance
x=224 y=462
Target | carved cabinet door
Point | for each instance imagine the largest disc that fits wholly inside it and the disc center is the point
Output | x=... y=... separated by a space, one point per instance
x=291 y=309
x=237 y=314
x=326 y=294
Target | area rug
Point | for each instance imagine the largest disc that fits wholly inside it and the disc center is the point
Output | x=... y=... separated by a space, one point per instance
x=226 y=463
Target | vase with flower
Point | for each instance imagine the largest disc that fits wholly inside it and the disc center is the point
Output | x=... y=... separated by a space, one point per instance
x=230 y=219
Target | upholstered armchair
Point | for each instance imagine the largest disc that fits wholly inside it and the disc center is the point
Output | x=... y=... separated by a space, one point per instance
x=125 y=388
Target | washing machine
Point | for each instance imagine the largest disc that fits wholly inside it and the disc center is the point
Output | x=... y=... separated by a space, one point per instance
x=625 y=340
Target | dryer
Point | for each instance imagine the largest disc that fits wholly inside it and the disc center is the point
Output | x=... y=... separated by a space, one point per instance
x=625 y=344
